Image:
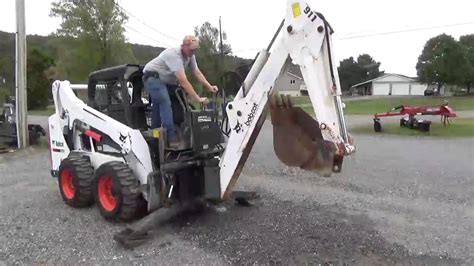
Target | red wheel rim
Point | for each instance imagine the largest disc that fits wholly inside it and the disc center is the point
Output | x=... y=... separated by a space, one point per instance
x=106 y=197
x=67 y=184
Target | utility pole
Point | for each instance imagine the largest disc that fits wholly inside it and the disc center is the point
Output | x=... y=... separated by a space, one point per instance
x=20 y=76
x=221 y=46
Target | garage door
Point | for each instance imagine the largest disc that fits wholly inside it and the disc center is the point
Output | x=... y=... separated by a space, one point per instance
x=418 y=89
x=381 y=89
x=401 y=89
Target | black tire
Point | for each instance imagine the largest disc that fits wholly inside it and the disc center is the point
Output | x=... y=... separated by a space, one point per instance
x=378 y=126
x=33 y=137
x=76 y=181
x=424 y=126
x=125 y=199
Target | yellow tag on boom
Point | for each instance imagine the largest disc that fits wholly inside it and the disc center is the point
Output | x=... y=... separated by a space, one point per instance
x=156 y=133
x=296 y=10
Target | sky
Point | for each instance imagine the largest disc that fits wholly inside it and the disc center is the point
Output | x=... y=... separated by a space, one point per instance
x=250 y=24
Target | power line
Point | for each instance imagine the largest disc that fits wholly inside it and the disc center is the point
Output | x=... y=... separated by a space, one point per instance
x=139 y=20
x=407 y=30
x=247 y=50
x=383 y=33
x=244 y=50
x=151 y=38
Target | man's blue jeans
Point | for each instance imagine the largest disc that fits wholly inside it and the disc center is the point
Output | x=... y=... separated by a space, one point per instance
x=162 y=114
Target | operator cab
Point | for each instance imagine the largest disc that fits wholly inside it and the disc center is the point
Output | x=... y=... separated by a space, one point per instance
x=119 y=93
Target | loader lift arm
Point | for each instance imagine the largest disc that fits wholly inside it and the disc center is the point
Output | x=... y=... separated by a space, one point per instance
x=71 y=114
x=299 y=140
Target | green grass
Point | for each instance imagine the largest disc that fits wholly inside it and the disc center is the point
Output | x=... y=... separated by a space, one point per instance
x=43 y=112
x=377 y=105
x=460 y=127
x=301 y=100
x=385 y=104
x=361 y=107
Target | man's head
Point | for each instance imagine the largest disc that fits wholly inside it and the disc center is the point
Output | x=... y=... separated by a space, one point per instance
x=190 y=45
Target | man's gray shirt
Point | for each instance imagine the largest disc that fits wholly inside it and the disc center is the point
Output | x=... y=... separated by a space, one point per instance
x=169 y=62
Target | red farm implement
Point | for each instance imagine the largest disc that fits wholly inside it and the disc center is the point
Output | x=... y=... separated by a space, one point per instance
x=409 y=114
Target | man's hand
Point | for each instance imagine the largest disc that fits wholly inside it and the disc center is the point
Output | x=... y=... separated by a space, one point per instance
x=203 y=100
x=213 y=89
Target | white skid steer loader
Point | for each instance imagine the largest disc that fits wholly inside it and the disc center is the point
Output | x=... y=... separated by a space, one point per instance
x=105 y=151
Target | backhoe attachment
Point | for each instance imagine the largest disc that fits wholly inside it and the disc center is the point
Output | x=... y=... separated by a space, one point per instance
x=317 y=144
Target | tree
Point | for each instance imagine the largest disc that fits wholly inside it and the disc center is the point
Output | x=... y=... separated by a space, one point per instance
x=3 y=66
x=7 y=61
x=352 y=72
x=38 y=84
x=4 y=91
x=349 y=73
x=209 y=55
x=370 y=68
x=210 y=40
x=468 y=42
x=443 y=60
x=93 y=31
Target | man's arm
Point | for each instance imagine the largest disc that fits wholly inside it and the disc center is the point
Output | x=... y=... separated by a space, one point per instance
x=183 y=81
x=201 y=79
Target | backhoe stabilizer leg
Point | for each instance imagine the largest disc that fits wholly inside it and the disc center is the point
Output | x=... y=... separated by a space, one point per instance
x=137 y=233
x=244 y=198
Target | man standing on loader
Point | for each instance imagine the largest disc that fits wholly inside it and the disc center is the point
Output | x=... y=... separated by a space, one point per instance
x=168 y=69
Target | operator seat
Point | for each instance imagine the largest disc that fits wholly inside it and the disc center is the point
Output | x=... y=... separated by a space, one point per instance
x=138 y=109
x=181 y=116
x=178 y=104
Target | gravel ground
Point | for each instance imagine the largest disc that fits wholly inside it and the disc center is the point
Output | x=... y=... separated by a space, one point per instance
x=398 y=200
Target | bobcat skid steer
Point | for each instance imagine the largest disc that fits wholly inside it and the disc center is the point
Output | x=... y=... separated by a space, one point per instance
x=105 y=151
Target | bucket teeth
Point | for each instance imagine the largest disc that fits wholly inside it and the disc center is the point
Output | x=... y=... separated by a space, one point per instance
x=297 y=138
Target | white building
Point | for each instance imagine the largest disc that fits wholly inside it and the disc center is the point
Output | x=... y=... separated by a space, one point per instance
x=291 y=81
x=390 y=84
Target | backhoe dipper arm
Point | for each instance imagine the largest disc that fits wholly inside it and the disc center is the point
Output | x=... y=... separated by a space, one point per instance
x=306 y=38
